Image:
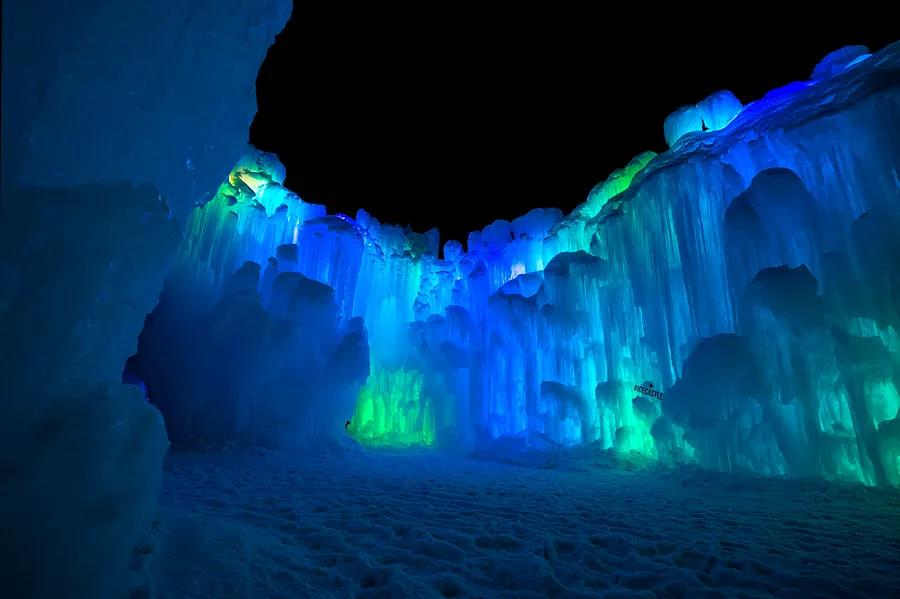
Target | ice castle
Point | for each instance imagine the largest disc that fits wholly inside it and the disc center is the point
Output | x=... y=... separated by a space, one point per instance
x=750 y=275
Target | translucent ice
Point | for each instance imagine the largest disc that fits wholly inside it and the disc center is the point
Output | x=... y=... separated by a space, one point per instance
x=719 y=109
x=686 y=119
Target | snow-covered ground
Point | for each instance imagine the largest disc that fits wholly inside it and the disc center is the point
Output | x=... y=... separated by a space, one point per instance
x=256 y=523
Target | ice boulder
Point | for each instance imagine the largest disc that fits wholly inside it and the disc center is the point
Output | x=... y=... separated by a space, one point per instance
x=686 y=119
x=719 y=109
x=837 y=61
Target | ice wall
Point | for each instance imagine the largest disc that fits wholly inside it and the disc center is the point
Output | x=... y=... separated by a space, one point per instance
x=80 y=452
x=732 y=301
x=146 y=92
x=113 y=113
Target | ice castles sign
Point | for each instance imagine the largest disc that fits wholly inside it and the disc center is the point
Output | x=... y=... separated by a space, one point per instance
x=649 y=391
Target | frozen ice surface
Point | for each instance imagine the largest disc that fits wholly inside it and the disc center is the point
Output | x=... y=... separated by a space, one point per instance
x=411 y=524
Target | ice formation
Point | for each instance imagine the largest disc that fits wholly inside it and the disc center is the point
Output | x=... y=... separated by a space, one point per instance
x=719 y=109
x=80 y=452
x=156 y=92
x=835 y=62
x=711 y=114
x=115 y=115
x=749 y=274
x=686 y=119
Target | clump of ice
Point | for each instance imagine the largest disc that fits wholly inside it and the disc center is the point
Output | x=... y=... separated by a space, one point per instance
x=687 y=119
x=835 y=62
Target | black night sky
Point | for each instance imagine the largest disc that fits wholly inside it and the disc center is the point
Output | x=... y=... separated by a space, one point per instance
x=458 y=114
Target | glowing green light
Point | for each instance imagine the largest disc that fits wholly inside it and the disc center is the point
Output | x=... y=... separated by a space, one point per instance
x=392 y=409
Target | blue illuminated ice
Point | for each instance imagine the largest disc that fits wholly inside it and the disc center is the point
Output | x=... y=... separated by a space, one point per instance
x=835 y=62
x=719 y=109
x=686 y=119
x=726 y=302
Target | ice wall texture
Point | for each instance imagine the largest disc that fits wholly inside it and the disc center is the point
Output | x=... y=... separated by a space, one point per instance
x=111 y=111
x=163 y=91
x=749 y=273
x=80 y=452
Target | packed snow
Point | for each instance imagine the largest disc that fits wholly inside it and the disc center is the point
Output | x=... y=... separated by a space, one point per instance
x=261 y=523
